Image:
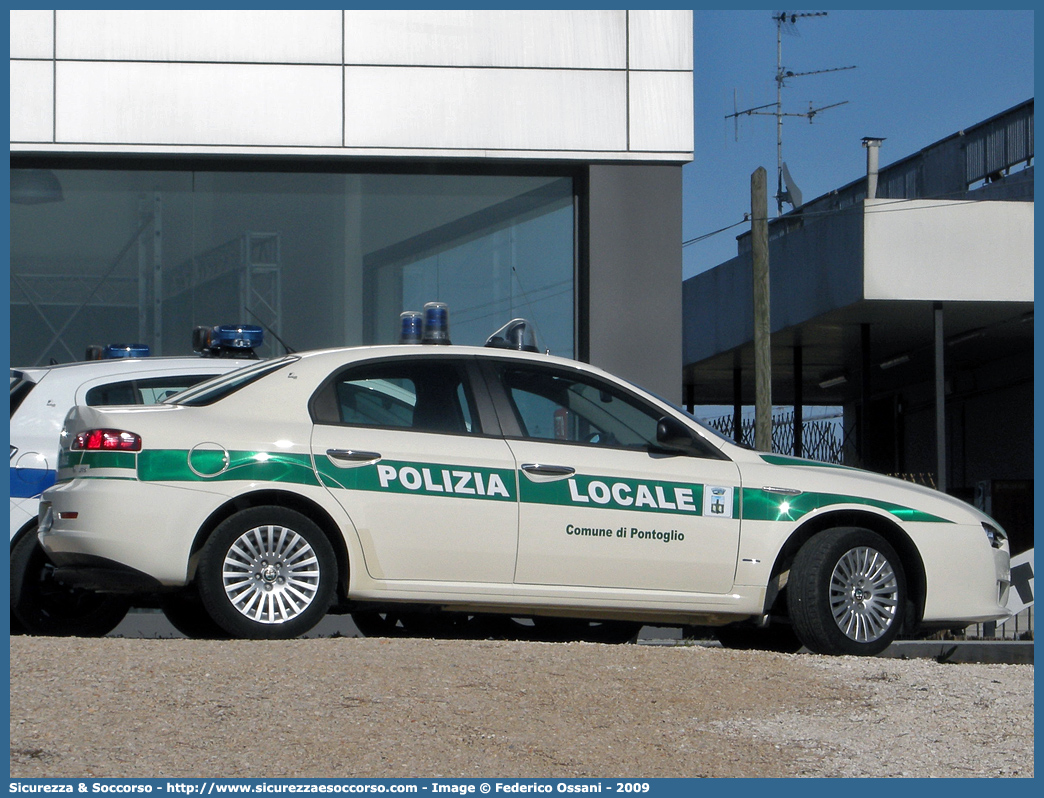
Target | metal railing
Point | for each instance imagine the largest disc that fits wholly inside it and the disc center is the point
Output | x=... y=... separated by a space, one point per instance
x=821 y=439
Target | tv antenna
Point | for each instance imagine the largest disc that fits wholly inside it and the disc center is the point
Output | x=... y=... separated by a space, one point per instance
x=786 y=189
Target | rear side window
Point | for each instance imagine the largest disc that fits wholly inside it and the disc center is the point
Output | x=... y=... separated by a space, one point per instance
x=213 y=390
x=141 y=392
x=421 y=395
x=20 y=388
x=377 y=402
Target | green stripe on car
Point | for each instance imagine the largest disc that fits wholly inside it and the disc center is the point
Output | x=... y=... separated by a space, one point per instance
x=491 y=484
x=763 y=505
x=94 y=459
x=427 y=479
x=618 y=494
x=181 y=465
x=786 y=460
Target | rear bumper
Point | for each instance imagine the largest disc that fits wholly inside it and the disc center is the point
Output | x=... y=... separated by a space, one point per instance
x=147 y=530
x=104 y=576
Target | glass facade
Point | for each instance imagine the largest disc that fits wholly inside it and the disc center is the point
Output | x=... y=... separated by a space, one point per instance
x=105 y=256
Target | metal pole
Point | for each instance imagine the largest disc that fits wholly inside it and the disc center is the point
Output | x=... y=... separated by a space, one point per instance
x=157 y=272
x=737 y=404
x=779 y=117
x=864 y=395
x=940 y=399
x=762 y=339
x=799 y=398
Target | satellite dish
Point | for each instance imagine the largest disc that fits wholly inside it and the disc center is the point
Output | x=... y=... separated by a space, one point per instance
x=793 y=193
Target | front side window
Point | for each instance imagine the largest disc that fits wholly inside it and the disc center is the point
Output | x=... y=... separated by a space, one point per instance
x=416 y=395
x=558 y=406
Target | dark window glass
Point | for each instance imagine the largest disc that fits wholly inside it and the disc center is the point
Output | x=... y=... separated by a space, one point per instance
x=20 y=388
x=217 y=388
x=142 y=392
x=320 y=259
x=557 y=406
x=418 y=395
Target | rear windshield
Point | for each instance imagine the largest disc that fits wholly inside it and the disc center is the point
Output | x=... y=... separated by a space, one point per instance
x=216 y=389
x=20 y=388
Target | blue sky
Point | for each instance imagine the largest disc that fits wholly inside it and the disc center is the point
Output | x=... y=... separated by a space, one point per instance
x=921 y=76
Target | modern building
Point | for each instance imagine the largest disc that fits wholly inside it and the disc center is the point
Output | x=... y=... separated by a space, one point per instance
x=322 y=171
x=907 y=299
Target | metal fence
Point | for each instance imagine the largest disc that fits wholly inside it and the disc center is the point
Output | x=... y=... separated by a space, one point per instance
x=821 y=439
x=1019 y=627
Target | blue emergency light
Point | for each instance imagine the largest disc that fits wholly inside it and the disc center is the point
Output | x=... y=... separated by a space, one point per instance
x=125 y=350
x=237 y=336
x=411 y=326
x=436 y=323
x=228 y=340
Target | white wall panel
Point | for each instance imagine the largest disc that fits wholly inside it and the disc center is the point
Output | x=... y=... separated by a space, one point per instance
x=32 y=34
x=139 y=103
x=555 y=39
x=935 y=250
x=661 y=111
x=254 y=36
x=32 y=106
x=568 y=84
x=485 y=108
x=660 y=39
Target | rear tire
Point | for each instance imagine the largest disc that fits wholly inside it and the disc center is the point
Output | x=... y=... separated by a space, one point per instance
x=847 y=593
x=267 y=573
x=40 y=605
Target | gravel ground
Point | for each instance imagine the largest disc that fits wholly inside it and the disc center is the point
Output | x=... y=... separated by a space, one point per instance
x=371 y=707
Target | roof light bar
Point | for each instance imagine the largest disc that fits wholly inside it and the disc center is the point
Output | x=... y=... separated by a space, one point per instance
x=436 y=323
x=120 y=350
x=411 y=327
x=228 y=340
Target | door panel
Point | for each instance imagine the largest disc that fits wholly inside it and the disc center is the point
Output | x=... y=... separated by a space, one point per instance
x=626 y=519
x=428 y=507
x=600 y=504
x=399 y=444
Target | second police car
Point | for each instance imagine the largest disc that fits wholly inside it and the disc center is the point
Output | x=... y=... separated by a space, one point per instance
x=495 y=480
x=41 y=396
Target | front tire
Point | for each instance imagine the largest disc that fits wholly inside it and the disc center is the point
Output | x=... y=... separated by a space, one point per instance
x=847 y=593
x=267 y=573
x=40 y=605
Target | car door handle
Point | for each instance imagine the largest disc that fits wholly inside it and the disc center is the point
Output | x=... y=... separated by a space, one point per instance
x=539 y=469
x=353 y=456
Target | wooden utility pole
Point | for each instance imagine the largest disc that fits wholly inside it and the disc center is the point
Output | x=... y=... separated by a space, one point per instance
x=762 y=338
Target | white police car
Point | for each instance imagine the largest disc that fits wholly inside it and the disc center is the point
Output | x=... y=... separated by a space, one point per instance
x=491 y=480
x=40 y=399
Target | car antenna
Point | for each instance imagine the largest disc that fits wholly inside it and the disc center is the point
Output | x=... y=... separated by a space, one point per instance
x=270 y=331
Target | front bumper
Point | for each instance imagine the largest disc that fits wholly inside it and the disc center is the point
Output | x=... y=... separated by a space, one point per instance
x=967 y=580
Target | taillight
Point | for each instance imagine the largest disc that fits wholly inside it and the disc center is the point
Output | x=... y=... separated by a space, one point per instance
x=109 y=440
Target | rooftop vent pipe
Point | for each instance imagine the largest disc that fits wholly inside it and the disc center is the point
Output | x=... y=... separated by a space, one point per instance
x=873 y=146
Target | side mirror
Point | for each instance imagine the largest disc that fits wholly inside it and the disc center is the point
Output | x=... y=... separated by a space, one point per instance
x=672 y=434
